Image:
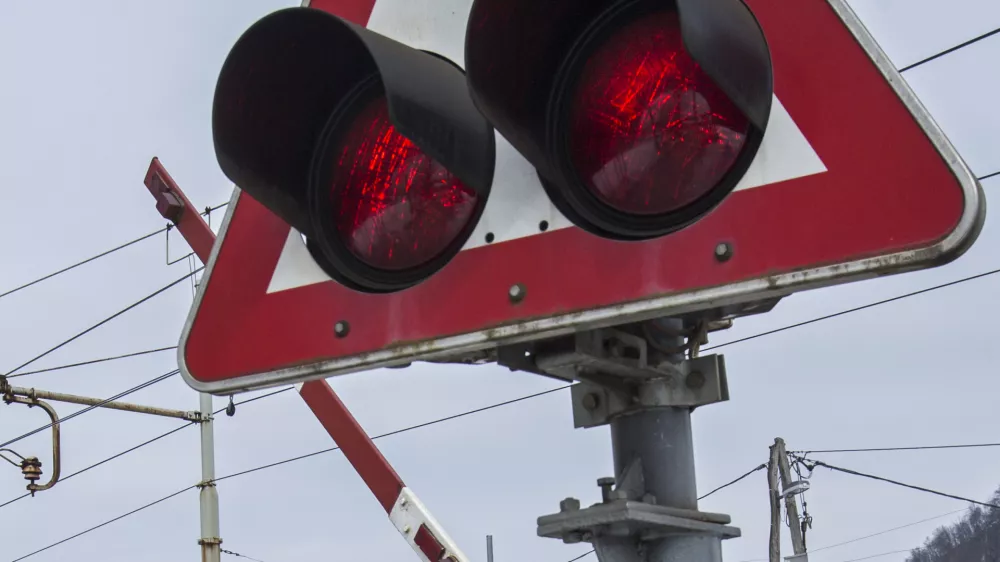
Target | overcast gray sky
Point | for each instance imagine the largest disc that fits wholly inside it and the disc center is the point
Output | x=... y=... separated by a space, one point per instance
x=91 y=90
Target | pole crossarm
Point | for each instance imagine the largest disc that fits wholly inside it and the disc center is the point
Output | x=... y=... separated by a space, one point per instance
x=9 y=391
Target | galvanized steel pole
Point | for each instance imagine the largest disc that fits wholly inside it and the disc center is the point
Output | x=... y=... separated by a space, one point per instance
x=208 y=496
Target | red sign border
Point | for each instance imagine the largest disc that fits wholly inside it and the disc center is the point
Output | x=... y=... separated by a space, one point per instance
x=942 y=251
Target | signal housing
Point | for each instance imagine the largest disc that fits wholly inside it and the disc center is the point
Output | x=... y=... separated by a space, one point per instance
x=526 y=88
x=287 y=88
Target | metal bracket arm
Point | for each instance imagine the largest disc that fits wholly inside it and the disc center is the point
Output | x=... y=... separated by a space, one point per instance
x=626 y=518
x=34 y=394
x=30 y=466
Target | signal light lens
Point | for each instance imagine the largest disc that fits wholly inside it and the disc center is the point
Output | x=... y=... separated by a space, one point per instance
x=649 y=131
x=394 y=207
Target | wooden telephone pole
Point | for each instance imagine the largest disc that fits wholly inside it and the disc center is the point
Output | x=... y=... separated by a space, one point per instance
x=791 y=507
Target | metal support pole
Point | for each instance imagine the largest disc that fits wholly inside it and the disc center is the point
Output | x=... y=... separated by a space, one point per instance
x=652 y=513
x=489 y=548
x=208 y=497
x=660 y=440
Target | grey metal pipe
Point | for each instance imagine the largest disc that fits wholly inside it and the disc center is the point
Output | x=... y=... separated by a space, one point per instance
x=661 y=439
x=208 y=497
x=87 y=401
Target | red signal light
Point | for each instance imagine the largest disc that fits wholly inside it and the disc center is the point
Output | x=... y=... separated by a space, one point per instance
x=653 y=109
x=372 y=150
x=649 y=132
x=394 y=206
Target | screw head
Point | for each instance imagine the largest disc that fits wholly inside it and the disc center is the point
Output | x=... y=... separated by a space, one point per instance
x=590 y=402
x=569 y=504
x=516 y=293
x=406 y=529
x=694 y=380
x=341 y=328
x=723 y=251
x=606 y=481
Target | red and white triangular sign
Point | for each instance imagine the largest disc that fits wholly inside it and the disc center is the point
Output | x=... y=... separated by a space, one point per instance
x=853 y=180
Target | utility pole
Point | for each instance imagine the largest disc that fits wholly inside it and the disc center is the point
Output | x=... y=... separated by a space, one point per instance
x=798 y=540
x=774 y=542
x=174 y=206
x=489 y=548
x=208 y=497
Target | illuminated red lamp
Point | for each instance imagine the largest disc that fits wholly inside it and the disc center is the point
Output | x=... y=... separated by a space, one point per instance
x=649 y=132
x=373 y=150
x=383 y=205
x=654 y=108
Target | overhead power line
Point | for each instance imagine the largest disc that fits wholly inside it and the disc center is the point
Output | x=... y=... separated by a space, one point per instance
x=957 y=511
x=93 y=361
x=855 y=309
x=104 y=321
x=914 y=448
x=98 y=256
x=84 y=262
x=98 y=405
x=878 y=555
x=147 y=442
x=108 y=522
x=237 y=554
x=988 y=176
x=761 y=467
x=813 y=463
x=584 y=555
x=950 y=50
x=396 y=432
x=262 y=467
x=872 y=535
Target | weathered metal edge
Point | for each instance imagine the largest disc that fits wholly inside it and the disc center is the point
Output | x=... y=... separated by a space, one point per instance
x=945 y=250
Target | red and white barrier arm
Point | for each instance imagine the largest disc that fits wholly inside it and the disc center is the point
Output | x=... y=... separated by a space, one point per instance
x=406 y=512
x=410 y=517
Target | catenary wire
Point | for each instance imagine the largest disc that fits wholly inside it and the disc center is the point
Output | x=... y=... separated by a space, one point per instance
x=147 y=442
x=814 y=463
x=855 y=309
x=913 y=448
x=104 y=321
x=872 y=535
x=728 y=484
x=397 y=431
x=405 y=429
x=84 y=262
x=93 y=361
x=316 y=453
x=584 y=555
x=909 y=67
x=98 y=256
x=237 y=554
x=108 y=522
x=881 y=554
x=950 y=50
x=98 y=405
